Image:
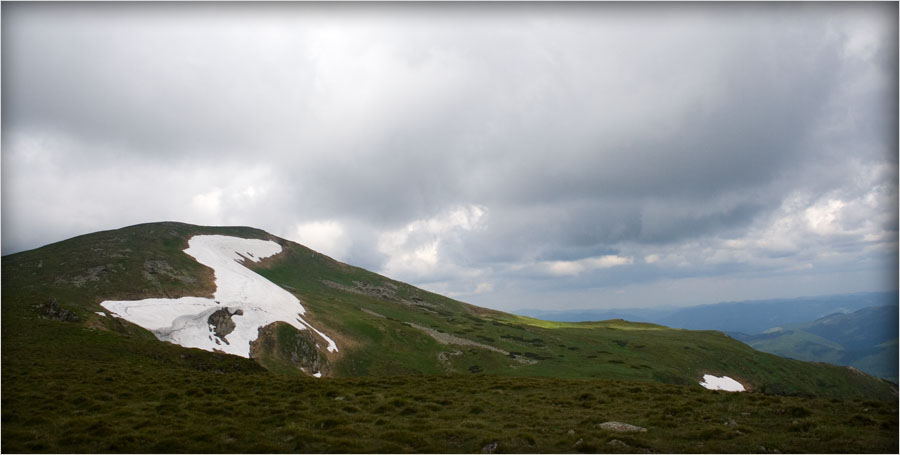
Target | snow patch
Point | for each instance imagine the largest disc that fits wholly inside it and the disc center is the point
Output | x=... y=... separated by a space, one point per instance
x=185 y=321
x=721 y=383
x=100 y=313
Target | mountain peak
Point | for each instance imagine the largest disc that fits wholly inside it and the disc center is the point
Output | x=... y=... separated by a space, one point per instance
x=295 y=311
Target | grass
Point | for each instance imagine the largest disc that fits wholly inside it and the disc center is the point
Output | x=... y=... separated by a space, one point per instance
x=102 y=385
x=148 y=261
x=384 y=345
x=134 y=396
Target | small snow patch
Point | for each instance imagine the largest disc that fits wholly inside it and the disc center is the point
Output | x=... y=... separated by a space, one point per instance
x=721 y=383
x=100 y=313
x=318 y=375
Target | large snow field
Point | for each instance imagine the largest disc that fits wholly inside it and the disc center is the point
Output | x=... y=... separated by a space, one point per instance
x=721 y=383
x=184 y=321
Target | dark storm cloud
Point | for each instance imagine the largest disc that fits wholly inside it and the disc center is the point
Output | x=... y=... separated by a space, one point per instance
x=463 y=145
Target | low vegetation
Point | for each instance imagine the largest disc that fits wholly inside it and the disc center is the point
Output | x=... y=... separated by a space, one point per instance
x=94 y=391
x=77 y=381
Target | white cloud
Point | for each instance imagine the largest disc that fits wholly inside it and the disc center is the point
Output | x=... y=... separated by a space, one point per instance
x=805 y=232
x=824 y=218
x=325 y=236
x=208 y=203
x=483 y=288
x=414 y=251
x=561 y=268
x=721 y=143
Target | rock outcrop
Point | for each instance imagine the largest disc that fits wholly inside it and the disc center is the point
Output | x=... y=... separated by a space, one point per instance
x=280 y=344
x=620 y=427
x=221 y=323
x=51 y=309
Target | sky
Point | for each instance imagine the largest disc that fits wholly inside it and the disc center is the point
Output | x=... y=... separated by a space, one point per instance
x=542 y=156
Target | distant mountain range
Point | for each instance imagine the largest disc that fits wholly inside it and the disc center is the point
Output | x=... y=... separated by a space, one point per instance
x=865 y=339
x=858 y=330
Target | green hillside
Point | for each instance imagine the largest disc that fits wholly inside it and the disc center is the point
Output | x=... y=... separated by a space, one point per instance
x=865 y=339
x=797 y=344
x=432 y=369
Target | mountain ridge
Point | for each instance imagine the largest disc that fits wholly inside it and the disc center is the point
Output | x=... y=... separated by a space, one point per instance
x=755 y=321
x=710 y=316
x=865 y=339
x=402 y=381
x=148 y=260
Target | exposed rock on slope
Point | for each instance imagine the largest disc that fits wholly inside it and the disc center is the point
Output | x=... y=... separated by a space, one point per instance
x=221 y=323
x=51 y=309
x=280 y=346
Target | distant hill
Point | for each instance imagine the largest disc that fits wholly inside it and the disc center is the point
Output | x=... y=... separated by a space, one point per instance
x=858 y=330
x=583 y=315
x=752 y=316
x=865 y=339
x=758 y=316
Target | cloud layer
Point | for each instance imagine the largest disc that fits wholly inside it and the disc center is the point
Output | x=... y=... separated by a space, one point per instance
x=510 y=155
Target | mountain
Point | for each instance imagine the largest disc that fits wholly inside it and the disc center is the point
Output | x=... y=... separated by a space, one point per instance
x=865 y=339
x=858 y=330
x=582 y=315
x=384 y=327
x=758 y=316
x=84 y=367
x=749 y=317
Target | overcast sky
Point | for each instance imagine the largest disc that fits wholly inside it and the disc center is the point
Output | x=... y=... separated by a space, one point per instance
x=508 y=155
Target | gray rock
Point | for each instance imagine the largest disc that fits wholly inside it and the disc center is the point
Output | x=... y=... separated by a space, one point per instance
x=571 y=433
x=617 y=443
x=490 y=448
x=51 y=309
x=221 y=322
x=620 y=427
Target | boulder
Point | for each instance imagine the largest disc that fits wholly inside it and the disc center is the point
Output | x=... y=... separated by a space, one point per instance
x=221 y=322
x=490 y=448
x=620 y=427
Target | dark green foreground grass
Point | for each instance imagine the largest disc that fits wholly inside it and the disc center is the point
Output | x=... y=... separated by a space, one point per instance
x=129 y=395
x=98 y=384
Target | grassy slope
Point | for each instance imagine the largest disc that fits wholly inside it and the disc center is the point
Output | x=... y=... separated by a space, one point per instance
x=99 y=392
x=879 y=360
x=797 y=344
x=609 y=349
x=83 y=271
x=103 y=385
